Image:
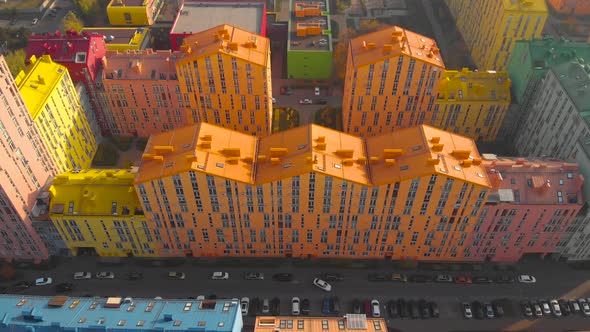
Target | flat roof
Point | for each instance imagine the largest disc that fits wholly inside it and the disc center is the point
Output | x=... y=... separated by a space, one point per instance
x=134 y=314
x=119 y=35
x=124 y=3
x=467 y=85
x=306 y=17
x=195 y=17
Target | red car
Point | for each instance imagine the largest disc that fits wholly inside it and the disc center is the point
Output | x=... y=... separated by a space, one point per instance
x=463 y=280
x=367 y=307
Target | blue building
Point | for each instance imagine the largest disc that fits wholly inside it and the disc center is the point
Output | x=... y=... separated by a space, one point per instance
x=62 y=313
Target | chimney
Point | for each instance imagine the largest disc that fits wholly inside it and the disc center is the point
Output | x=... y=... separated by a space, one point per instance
x=41 y=79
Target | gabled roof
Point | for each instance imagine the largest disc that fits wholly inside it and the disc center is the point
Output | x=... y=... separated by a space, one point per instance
x=229 y=40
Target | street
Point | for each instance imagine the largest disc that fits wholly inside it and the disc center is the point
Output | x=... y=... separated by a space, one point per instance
x=554 y=280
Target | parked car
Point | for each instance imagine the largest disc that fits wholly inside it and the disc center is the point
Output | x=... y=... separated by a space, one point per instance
x=498 y=309
x=295 y=306
x=265 y=306
x=321 y=284
x=332 y=277
x=375 y=308
x=434 y=309
x=504 y=279
x=219 y=276
x=404 y=311
x=254 y=308
x=565 y=308
x=545 y=307
x=316 y=91
x=482 y=280
x=335 y=305
x=537 y=310
x=356 y=306
x=244 y=305
x=367 y=307
x=399 y=277
x=489 y=310
x=134 y=276
x=585 y=307
x=420 y=278
x=527 y=309
x=254 y=276
x=282 y=277
x=327 y=305
x=44 y=281
x=463 y=280
x=275 y=306
x=414 y=309
x=305 y=304
x=82 y=275
x=467 y=313
x=424 y=309
x=19 y=286
x=321 y=102
x=35 y=21
x=274 y=100
x=305 y=101
x=478 y=310
x=377 y=277
x=443 y=278
x=392 y=309
x=64 y=287
x=555 y=309
x=105 y=275
x=575 y=306
x=526 y=279
x=176 y=275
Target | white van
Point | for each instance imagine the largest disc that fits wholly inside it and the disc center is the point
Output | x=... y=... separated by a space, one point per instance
x=295 y=306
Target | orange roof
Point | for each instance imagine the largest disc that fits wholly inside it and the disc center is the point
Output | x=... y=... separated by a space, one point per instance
x=140 y=65
x=398 y=156
x=229 y=40
x=391 y=42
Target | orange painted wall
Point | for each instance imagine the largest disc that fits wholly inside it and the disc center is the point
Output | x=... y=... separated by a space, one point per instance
x=575 y=7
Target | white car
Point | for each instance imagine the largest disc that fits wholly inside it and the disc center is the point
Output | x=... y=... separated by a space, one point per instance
x=555 y=308
x=585 y=307
x=322 y=284
x=375 y=308
x=467 y=310
x=305 y=101
x=35 y=20
x=43 y=281
x=274 y=100
x=176 y=275
x=220 y=276
x=316 y=90
x=526 y=279
x=105 y=275
x=82 y=275
x=244 y=305
x=295 y=306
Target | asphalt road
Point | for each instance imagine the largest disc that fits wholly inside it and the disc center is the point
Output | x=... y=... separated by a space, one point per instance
x=555 y=280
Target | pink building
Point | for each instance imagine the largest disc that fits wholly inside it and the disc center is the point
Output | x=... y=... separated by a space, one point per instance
x=82 y=55
x=25 y=167
x=532 y=204
x=143 y=92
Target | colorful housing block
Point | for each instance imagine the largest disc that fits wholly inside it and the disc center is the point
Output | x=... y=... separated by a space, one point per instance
x=98 y=212
x=346 y=323
x=122 y=39
x=225 y=73
x=143 y=92
x=311 y=192
x=63 y=313
x=50 y=96
x=570 y=7
x=133 y=12
x=391 y=81
x=531 y=205
x=471 y=103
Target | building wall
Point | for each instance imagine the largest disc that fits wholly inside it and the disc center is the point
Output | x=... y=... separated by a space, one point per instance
x=26 y=166
x=133 y=15
x=309 y=64
x=98 y=210
x=56 y=111
x=472 y=104
x=570 y=7
x=88 y=110
x=490 y=28
x=328 y=324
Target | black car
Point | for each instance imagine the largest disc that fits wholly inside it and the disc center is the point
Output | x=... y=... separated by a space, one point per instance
x=434 y=309
x=282 y=277
x=424 y=309
x=356 y=306
x=275 y=306
x=504 y=279
x=392 y=309
x=335 y=309
x=414 y=309
x=420 y=278
x=404 y=311
x=332 y=277
x=478 y=310
x=64 y=287
x=254 y=307
x=565 y=308
x=20 y=286
x=305 y=307
x=378 y=277
x=481 y=280
x=134 y=276
x=498 y=308
x=321 y=102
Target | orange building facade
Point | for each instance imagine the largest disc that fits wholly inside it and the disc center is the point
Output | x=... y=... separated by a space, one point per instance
x=143 y=92
x=226 y=73
x=391 y=81
x=311 y=192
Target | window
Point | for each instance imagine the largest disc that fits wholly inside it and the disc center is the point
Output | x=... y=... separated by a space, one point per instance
x=127 y=17
x=570 y=175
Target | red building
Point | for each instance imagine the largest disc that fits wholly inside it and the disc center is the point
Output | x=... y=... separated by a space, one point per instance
x=531 y=205
x=196 y=16
x=82 y=55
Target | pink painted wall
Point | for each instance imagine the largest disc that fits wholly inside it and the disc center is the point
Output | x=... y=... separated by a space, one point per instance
x=19 y=185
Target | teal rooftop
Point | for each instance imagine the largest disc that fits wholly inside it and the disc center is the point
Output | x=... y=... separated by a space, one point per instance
x=62 y=313
x=574 y=77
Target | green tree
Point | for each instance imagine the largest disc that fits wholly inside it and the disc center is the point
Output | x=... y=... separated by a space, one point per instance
x=72 y=22
x=15 y=61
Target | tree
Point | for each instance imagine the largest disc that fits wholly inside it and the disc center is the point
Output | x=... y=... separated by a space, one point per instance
x=370 y=25
x=7 y=272
x=15 y=61
x=72 y=22
x=339 y=58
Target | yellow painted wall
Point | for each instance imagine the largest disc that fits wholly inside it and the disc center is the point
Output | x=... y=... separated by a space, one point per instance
x=128 y=15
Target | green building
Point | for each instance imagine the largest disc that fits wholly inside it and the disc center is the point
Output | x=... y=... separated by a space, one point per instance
x=309 y=49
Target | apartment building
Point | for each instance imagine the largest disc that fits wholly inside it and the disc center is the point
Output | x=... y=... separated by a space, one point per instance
x=122 y=38
x=26 y=167
x=133 y=12
x=311 y=192
x=309 y=40
x=81 y=54
x=472 y=104
x=226 y=74
x=558 y=118
x=97 y=212
x=50 y=97
x=570 y=7
x=346 y=323
x=490 y=28
x=531 y=205
x=143 y=92
x=391 y=81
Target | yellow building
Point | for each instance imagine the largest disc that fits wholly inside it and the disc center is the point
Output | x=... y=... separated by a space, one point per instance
x=133 y=12
x=490 y=28
x=123 y=39
x=471 y=103
x=346 y=323
x=311 y=192
x=97 y=211
x=225 y=73
x=50 y=96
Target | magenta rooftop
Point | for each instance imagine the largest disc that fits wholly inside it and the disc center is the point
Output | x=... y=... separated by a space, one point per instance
x=63 y=47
